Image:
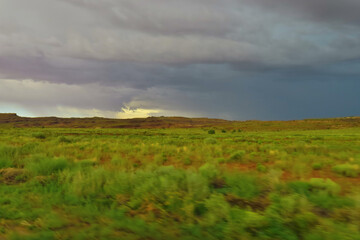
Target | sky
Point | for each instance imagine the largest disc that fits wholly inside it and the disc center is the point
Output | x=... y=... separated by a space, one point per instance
x=230 y=59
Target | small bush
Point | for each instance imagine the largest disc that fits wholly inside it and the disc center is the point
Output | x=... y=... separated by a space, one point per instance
x=261 y=168
x=238 y=155
x=160 y=159
x=212 y=131
x=13 y=175
x=317 y=166
x=347 y=170
x=315 y=185
x=46 y=166
x=210 y=141
x=39 y=135
x=323 y=193
x=242 y=185
x=52 y=221
x=7 y=154
x=64 y=139
x=326 y=185
x=209 y=171
x=187 y=161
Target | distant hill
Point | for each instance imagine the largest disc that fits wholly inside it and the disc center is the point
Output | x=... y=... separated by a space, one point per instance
x=13 y=120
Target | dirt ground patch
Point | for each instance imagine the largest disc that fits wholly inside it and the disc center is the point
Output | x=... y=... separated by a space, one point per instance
x=13 y=175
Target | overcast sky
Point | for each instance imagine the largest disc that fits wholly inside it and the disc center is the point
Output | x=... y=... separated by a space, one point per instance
x=232 y=59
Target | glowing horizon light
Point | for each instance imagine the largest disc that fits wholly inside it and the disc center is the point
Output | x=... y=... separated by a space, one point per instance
x=14 y=108
x=127 y=112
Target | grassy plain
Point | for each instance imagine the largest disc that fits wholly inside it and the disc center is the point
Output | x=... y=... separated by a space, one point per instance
x=67 y=183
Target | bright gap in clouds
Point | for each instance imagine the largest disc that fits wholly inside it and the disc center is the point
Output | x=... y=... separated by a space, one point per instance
x=125 y=113
x=14 y=108
x=137 y=113
x=31 y=98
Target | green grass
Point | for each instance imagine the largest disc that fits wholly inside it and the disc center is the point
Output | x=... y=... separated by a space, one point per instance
x=348 y=170
x=40 y=166
x=179 y=184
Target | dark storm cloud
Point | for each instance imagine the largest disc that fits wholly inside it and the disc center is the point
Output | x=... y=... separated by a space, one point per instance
x=166 y=17
x=201 y=15
x=232 y=58
x=328 y=11
x=245 y=33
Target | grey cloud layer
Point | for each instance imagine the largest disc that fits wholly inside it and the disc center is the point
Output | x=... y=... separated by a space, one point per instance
x=184 y=32
x=207 y=56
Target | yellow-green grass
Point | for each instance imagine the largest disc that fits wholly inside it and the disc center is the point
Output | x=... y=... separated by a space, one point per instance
x=179 y=184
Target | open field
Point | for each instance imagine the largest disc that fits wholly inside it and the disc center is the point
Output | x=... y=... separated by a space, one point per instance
x=248 y=180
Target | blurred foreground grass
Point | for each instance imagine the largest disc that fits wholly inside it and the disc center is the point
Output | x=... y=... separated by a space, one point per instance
x=179 y=184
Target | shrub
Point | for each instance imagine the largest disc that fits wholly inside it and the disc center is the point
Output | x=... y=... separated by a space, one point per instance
x=160 y=159
x=64 y=139
x=210 y=141
x=187 y=161
x=209 y=171
x=86 y=184
x=52 y=221
x=39 y=135
x=7 y=155
x=218 y=209
x=254 y=220
x=261 y=168
x=323 y=193
x=46 y=165
x=317 y=166
x=13 y=175
x=238 y=155
x=348 y=170
x=326 y=185
x=212 y=131
x=300 y=187
x=242 y=185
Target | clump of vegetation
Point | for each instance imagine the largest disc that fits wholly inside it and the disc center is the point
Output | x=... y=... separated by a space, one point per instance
x=211 y=131
x=326 y=185
x=261 y=168
x=39 y=135
x=7 y=156
x=237 y=156
x=210 y=141
x=46 y=165
x=12 y=175
x=243 y=185
x=63 y=139
x=317 y=166
x=348 y=170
